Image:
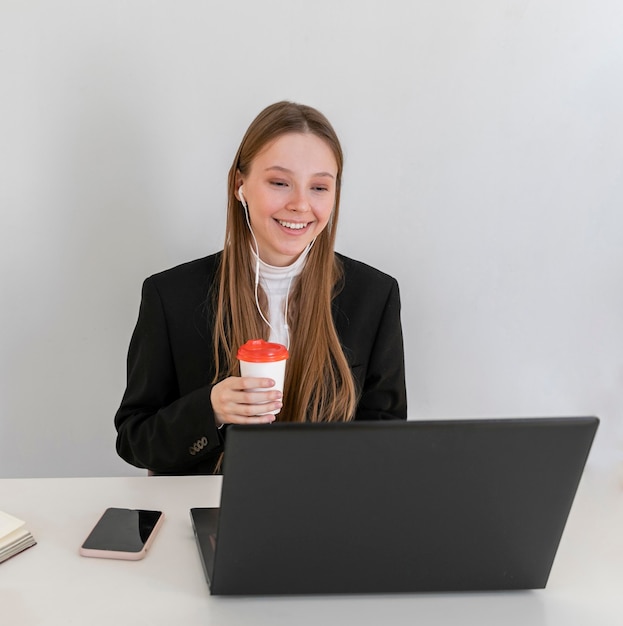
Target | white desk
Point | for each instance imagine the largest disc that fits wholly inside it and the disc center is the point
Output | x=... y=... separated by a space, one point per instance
x=51 y=584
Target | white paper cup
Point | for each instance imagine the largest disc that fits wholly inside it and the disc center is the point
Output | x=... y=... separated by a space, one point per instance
x=260 y=359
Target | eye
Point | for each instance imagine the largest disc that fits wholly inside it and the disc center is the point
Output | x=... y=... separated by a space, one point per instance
x=278 y=183
x=320 y=188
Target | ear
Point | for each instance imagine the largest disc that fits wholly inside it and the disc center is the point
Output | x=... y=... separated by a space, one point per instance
x=239 y=182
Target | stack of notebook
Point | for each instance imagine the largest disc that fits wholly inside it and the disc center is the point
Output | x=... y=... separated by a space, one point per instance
x=14 y=536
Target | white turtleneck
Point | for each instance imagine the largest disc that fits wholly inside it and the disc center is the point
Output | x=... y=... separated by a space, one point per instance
x=277 y=282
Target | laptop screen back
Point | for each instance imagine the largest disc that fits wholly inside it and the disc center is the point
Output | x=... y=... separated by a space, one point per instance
x=368 y=507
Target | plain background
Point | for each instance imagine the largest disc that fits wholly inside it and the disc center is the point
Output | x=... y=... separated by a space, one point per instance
x=484 y=153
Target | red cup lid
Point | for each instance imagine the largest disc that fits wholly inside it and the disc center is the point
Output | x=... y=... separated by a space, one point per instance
x=260 y=351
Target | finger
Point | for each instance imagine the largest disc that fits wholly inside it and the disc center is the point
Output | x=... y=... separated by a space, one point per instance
x=267 y=418
x=259 y=397
x=257 y=408
x=250 y=382
x=250 y=403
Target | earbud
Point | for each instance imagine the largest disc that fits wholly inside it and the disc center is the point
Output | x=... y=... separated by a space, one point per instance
x=241 y=196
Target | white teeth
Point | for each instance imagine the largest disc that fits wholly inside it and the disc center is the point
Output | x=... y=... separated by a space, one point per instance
x=293 y=225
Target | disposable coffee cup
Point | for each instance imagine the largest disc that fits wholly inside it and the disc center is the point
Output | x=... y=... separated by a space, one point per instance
x=261 y=359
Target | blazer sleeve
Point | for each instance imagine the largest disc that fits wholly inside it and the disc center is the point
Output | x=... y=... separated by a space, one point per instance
x=158 y=427
x=383 y=393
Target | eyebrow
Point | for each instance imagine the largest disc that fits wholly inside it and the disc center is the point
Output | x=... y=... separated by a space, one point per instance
x=279 y=168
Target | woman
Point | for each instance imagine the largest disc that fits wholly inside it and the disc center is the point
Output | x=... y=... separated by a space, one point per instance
x=277 y=278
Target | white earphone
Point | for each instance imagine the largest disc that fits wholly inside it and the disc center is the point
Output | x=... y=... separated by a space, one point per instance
x=257 y=270
x=241 y=197
x=257 y=257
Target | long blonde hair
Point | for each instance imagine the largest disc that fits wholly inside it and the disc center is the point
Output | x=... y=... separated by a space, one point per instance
x=319 y=385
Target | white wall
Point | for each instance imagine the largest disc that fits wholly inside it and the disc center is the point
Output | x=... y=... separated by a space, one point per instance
x=484 y=146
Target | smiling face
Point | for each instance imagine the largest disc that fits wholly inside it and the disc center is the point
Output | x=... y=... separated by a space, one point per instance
x=290 y=193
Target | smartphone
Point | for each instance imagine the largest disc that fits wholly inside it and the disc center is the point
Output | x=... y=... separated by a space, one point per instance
x=122 y=534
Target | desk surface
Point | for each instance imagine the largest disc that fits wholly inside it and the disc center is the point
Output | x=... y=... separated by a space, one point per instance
x=51 y=584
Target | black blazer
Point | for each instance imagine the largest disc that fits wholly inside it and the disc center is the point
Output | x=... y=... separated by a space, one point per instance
x=166 y=423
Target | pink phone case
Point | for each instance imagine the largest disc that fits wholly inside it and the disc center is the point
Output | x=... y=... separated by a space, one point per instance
x=126 y=556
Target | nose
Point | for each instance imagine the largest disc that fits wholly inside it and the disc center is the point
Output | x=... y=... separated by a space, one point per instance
x=298 y=201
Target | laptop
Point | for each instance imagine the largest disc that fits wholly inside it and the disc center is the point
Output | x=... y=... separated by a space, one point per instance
x=392 y=506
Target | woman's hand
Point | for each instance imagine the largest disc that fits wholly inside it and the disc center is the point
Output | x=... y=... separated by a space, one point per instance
x=237 y=400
